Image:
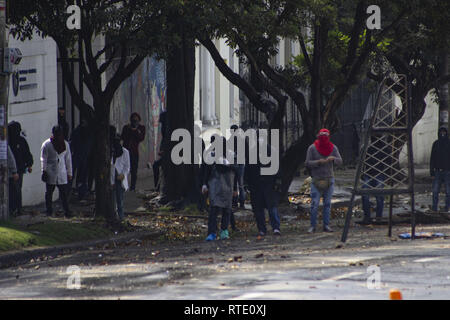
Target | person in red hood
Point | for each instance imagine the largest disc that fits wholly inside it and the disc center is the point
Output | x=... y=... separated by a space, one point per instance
x=321 y=157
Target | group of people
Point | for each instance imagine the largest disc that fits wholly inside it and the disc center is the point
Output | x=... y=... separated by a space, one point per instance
x=62 y=158
x=223 y=183
x=221 y=180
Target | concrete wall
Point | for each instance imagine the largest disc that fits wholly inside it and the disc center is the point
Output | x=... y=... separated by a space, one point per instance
x=145 y=93
x=216 y=100
x=35 y=105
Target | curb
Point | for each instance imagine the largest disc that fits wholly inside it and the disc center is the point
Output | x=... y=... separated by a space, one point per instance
x=24 y=256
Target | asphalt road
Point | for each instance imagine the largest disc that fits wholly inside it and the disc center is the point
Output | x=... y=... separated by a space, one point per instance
x=294 y=266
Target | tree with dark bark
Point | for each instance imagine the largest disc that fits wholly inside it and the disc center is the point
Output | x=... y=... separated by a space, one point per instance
x=336 y=46
x=129 y=29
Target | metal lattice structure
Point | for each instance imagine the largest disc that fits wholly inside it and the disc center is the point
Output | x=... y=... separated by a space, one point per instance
x=387 y=140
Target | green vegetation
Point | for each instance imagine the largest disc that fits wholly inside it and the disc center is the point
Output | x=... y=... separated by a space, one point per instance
x=48 y=233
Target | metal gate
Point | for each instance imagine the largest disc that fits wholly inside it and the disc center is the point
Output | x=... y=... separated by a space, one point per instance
x=388 y=135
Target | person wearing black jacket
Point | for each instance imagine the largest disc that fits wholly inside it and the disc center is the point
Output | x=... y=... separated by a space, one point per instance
x=81 y=145
x=132 y=135
x=440 y=168
x=24 y=160
x=264 y=192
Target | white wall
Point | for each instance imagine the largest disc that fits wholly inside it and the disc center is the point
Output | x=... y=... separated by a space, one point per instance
x=214 y=94
x=35 y=109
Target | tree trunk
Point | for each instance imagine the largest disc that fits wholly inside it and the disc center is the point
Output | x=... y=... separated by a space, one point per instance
x=179 y=179
x=104 y=205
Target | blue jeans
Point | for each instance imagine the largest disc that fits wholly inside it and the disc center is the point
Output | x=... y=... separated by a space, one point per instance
x=441 y=177
x=119 y=192
x=260 y=217
x=315 y=200
x=378 y=183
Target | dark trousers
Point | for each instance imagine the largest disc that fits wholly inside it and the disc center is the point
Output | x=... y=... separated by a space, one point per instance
x=82 y=172
x=50 y=188
x=12 y=195
x=134 y=161
x=212 y=219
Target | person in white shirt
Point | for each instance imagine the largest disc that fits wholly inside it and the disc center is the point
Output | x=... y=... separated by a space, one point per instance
x=56 y=165
x=120 y=168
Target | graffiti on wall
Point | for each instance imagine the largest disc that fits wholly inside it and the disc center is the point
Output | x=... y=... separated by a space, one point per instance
x=143 y=92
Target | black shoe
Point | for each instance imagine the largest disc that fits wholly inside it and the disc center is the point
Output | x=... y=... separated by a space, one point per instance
x=276 y=232
x=327 y=229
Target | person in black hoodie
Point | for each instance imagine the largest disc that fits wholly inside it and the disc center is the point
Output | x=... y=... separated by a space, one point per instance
x=23 y=157
x=81 y=145
x=440 y=168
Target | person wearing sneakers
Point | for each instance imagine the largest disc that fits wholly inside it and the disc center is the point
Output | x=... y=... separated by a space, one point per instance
x=218 y=182
x=321 y=158
x=264 y=190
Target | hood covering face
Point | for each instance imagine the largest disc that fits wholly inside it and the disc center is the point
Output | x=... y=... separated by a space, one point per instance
x=442 y=133
x=14 y=130
x=323 y=144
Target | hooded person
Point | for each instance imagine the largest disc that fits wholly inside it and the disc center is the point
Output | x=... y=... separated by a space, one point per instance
x=264 y=189
x=218 y=181
x=81 y=145
x=56 y=166
x=24 y=161
x=440 y=168
x=132 y=135
x=321 y=157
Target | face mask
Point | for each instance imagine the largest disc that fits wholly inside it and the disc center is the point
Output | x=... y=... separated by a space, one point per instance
x=324 y=139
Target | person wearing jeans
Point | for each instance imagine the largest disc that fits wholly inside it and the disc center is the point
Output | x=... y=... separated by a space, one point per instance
x=441 y=177
x=440 y=168
x=376 y=183
x=327 y=195
x=321 y=157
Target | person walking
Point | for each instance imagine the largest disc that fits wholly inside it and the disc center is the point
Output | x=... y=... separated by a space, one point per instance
x=133 y=134
x=264 y=191
x=81 y=145
x=56 y=165
x=12 y=183
x=218 y=182
x=440 y=168
x=120 y=168
x=321 y=157
x=23 y=159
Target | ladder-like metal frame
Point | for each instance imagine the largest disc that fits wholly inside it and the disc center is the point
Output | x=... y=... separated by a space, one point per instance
x=389 y=131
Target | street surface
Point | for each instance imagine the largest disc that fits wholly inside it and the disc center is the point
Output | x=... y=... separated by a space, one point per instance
x=294 y=266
